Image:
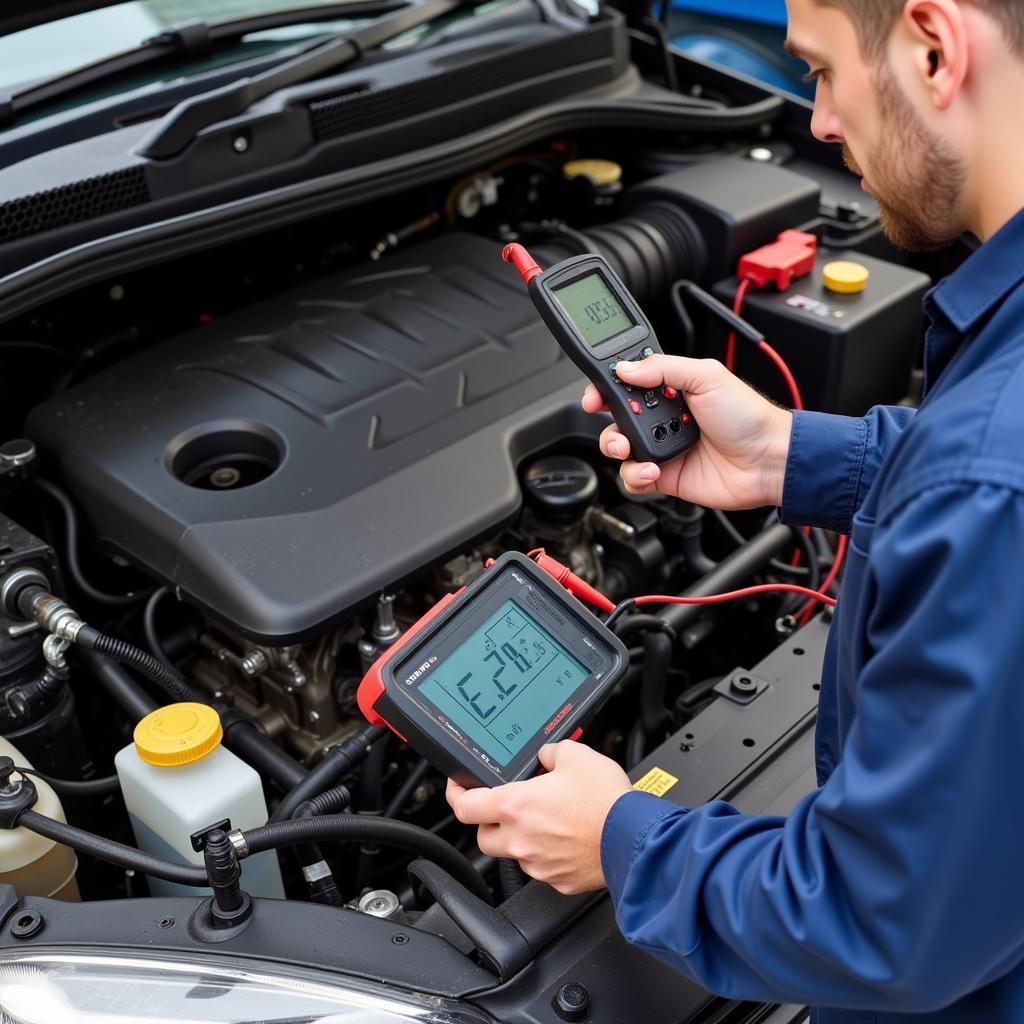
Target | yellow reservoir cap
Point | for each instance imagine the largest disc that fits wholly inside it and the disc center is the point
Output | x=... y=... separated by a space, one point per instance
x=600 y=172
x=178 y=734
x=845 y=277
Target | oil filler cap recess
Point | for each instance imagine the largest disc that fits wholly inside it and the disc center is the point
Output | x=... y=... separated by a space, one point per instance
x=845 y=277
x=178 y=734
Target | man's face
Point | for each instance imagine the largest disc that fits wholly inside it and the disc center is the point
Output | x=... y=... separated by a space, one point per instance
x=914 y=174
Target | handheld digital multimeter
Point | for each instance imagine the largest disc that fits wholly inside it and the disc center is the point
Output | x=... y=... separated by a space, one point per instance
x=493 y=673
x=598 y=323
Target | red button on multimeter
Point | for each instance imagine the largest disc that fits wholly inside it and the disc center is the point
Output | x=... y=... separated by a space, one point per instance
x=493 y=673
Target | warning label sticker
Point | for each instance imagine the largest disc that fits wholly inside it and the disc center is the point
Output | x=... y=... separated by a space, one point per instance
x=657 y=782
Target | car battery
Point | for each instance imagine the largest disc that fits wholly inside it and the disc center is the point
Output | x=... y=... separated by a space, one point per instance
x=848 y=350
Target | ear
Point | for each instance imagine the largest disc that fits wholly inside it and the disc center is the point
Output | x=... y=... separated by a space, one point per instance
x=936 y=34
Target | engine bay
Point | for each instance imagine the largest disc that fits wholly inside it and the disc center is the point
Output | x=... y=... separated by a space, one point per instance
x=259 y=463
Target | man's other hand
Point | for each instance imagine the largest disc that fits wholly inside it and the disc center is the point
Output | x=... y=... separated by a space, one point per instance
x=551 y=824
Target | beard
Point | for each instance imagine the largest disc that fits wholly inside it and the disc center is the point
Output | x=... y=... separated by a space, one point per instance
x=915 y=176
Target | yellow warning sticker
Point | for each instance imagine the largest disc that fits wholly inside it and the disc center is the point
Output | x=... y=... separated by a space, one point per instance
x=657 y=782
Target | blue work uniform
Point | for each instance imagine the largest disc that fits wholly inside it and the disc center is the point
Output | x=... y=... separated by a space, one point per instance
x=895 y=892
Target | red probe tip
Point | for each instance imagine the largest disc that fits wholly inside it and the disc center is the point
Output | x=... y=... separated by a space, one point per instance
x=524 y=262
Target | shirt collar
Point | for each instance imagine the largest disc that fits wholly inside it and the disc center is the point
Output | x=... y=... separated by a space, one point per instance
x=957 y=305
x=982 y=282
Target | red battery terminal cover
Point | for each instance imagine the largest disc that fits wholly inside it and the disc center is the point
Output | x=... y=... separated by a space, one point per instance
x=790 y=256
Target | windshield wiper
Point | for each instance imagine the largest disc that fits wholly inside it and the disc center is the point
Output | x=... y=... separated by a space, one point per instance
x=191 y=116
x=187 y=41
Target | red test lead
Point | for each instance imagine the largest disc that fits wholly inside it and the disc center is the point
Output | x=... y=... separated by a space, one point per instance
x=526 y=265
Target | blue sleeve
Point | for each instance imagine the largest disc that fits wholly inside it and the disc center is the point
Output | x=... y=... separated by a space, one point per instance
x=897 y=885
x=833 y=461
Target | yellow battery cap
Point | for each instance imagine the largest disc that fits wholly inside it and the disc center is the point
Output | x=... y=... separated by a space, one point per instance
x=845 y=277
x=178 y=734
x=600 y=172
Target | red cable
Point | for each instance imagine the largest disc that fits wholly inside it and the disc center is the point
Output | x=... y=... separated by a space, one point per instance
x=734 y=595
x=737 y=306
x=780 y=363
x=804 y=615
x=787 y=374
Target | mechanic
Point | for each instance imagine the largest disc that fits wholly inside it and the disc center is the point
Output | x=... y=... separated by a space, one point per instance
x=896 y=890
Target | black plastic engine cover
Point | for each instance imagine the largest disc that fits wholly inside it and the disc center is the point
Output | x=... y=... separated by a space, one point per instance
x=288 y=461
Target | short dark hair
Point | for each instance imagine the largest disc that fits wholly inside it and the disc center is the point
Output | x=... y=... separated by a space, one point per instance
x=874 y=19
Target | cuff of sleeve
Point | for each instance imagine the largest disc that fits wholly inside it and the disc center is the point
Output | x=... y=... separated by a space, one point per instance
x=626 y=828
x=826 y=456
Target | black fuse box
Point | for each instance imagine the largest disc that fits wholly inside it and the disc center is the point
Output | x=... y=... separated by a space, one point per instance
x=847 y=352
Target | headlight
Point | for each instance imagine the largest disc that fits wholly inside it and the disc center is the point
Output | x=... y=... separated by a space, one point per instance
x=59 y=987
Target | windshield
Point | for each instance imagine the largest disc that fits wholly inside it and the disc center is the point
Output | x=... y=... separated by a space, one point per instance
x=43 y=52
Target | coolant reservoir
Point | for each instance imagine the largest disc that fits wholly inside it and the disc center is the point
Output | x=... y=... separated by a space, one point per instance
x=177 y=779
x=33 y=865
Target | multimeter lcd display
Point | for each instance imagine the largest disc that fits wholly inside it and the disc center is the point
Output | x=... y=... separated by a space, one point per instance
x=594 y=309
x=505 y=683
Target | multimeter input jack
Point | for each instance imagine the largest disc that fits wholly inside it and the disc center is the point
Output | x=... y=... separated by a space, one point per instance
x=660 y=433
x=674 y=426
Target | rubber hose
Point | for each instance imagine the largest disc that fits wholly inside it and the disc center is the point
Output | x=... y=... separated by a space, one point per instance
x=149 y=625
x=332 y=766
x=71 y=545
x=654 y=246
x=113 y=853
x=132 y=698
x=329 y=802
x=387 y=831
x=625 y=628
x=169 y=679
x=653 y=712
x=636 y=746
x=105 y=786
x=406 y=790
x=259 y=751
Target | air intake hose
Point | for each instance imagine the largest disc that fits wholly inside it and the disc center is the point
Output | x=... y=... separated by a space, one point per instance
x=653 y=247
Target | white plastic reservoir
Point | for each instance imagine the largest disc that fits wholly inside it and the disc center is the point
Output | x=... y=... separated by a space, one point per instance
x=177 y=779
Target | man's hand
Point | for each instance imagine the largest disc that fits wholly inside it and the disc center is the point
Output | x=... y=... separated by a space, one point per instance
x=551 y=824
x=740 y=461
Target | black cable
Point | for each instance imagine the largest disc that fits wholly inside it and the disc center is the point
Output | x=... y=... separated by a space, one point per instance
x=149 y=625
x=168 y=678
x=354 y=828
x=332 y=766
x=111 y=852
x=685 y=321
x=641 y=623
x=619 y=610
x=406 y=790
x=730 y=528
x=68 y=787
x=71 y=555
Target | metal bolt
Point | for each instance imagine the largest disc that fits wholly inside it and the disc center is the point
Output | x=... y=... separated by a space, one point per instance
x=240 y=144
x=761 y=155
x=226 y=476
x=314 y=717
x=255 y=663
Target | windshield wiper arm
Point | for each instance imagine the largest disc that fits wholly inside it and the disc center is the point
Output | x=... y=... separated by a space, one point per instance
x=191 y=116
x=189 y=40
